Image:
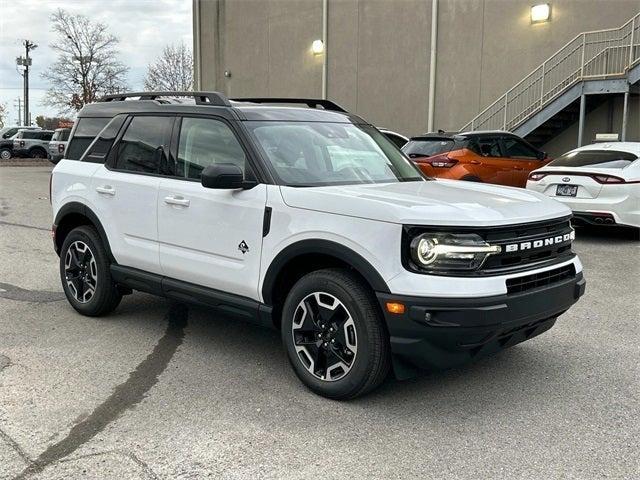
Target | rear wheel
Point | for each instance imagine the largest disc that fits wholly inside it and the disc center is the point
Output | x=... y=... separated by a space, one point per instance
x=334 y=334
x=38 y=153
x=85 y=275
x=5 y=153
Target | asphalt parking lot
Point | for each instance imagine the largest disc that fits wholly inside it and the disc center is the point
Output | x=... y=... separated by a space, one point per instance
x=161 y=390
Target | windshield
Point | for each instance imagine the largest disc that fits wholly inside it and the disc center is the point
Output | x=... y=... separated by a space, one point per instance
x=595 y=159
x=427 y=148
x=315 y=153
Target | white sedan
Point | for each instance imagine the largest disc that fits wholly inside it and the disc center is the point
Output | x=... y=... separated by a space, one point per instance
x=599 y=182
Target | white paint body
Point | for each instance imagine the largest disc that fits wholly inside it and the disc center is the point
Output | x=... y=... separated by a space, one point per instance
x=198 y=238
x=622 y=200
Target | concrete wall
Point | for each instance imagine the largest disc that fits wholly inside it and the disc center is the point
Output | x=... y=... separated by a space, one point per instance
x=378 y=51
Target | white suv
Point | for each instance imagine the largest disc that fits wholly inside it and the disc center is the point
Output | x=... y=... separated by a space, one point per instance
x=308 y=220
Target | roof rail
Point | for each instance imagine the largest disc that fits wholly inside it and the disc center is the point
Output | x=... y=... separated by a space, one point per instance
x=309 y=102
x=201 y=98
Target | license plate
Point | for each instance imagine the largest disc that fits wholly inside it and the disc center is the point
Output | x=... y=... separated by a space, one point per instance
x=567 y=190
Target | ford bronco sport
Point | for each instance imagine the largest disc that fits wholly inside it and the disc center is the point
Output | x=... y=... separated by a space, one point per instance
x=296 y=214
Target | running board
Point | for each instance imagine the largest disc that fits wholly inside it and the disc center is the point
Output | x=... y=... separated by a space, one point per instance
x=237 y=306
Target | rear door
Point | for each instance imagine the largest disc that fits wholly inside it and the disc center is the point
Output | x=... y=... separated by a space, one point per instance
x=494 y=166
x=524 y=159
x=125 y=190
x=210 y=237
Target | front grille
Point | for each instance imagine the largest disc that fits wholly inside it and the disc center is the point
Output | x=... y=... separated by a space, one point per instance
x=542 y=279
x=507 y=261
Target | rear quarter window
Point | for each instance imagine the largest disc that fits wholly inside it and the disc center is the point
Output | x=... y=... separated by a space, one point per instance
x=595 y=159
x=99 y=149
x=85 y=131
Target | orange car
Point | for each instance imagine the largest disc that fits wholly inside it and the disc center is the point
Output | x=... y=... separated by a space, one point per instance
x=491 y=157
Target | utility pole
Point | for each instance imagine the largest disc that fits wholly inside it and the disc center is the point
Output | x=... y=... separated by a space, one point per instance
x=19 y=107
x=26 y=63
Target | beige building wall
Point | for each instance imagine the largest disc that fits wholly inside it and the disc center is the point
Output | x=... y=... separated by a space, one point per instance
x=378 y=52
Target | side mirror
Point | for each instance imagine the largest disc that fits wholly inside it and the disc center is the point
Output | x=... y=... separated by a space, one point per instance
x=222 y=175
x=542 y=155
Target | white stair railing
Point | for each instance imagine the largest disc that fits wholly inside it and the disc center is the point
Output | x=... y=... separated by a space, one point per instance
x=590 y=55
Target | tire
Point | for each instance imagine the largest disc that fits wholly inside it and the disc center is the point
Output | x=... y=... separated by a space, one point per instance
x=5 y=154
x=471 y=178
x=354 y=342
x=83 y=256
x=37 y=153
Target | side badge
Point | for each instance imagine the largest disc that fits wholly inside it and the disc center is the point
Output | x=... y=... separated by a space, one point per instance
x=243 y=247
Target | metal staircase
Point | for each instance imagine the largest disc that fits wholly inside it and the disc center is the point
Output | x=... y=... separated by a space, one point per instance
x=552 y=97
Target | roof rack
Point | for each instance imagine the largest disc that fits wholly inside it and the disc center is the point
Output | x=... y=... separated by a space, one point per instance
x=201 y=98
x=309 y=102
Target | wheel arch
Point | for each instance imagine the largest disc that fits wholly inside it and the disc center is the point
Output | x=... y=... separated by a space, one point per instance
x=306 y=256
x=75 y=214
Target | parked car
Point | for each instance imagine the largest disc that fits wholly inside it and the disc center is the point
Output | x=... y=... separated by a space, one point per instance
x=6 y=140
x=32 y=143
x=599 y=182
x=310 y=221
x=398 y=139
x=482 y=156
x=58 y=144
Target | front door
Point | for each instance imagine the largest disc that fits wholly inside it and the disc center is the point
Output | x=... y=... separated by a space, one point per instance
x=523 y=157
x=210 y=237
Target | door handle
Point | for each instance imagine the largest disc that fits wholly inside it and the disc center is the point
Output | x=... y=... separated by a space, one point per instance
x=177 y=200
x=475 y=162
x=518 y=169
x=106 y=190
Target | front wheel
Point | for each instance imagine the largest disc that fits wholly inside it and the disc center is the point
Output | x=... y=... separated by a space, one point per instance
x=84 y=271
x=334 y=334
x=38 y=153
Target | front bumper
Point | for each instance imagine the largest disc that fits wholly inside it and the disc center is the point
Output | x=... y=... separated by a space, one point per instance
x=437 y=333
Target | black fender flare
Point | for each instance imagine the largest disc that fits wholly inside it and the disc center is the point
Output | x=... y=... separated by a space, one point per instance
x=324 y=247
x=81 y=209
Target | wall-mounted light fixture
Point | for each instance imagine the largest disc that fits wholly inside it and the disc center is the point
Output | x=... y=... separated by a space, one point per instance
x=540 y=13
x=317 y=47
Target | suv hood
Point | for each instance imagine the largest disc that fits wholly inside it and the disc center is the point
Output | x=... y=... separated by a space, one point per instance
x=437 y=202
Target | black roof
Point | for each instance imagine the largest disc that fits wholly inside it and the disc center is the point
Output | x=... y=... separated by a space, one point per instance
x=317 y=110
x=441 y=135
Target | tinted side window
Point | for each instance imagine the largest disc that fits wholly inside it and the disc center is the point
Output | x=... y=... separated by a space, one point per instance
x=142 y=148
x=46 y=136
x=30 y=135
x=204 y=142
x=489 y=147
x=86 y=130
x=516 y=148
x=99 y=149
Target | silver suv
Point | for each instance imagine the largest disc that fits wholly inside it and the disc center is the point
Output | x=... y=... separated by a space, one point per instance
x=7 y=135
x=58 y=144
x=32 y=143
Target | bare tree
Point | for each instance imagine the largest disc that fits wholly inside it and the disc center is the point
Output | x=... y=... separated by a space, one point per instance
x=3 y=114
x=87 y=66
x=171 y=71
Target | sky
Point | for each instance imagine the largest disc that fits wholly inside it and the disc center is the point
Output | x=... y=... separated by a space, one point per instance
x=144 y=28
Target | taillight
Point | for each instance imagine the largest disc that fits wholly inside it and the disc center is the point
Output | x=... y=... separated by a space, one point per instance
x=22 y=143
x=60 y=147
x=535 y=176
x=440 y=161
x=607 y=179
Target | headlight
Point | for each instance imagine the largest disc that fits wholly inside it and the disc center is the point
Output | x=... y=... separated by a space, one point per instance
x=445 y=251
